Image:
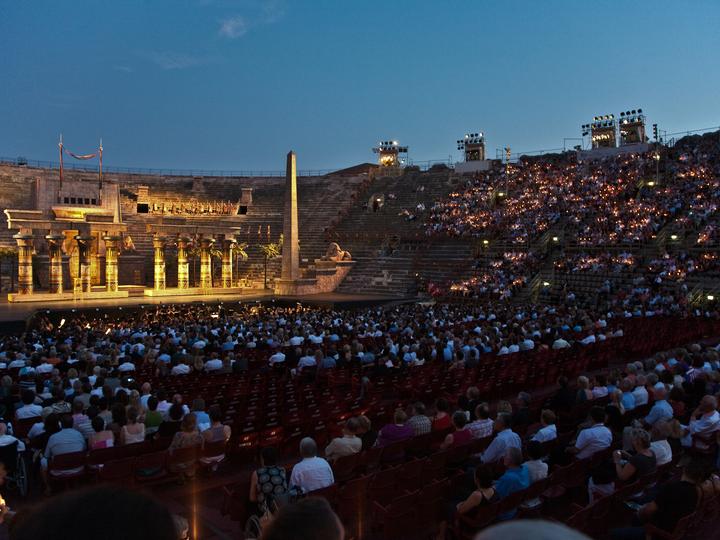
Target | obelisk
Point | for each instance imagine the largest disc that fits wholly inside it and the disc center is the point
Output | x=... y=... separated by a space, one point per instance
x=291 y=246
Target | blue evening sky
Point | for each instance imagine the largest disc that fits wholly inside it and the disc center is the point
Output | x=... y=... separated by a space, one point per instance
x=235 y=84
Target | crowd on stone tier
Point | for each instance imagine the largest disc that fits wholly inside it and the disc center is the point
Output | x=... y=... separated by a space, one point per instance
x=612 y=201
x=78 y=377
x=667 y=267
x=498 y=278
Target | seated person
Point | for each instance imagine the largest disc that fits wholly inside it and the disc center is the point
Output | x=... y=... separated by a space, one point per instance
x=548 y=431
x=267 y=482
x=29 y=409
x=515 y=478
x=630 y=467
x=395 y=432
x=7 y=440
x=483 y=494
x=674 y=500
x=461 y=435
x=102 y=437
x=65 y=441
x=312 y=473
x=346 y=445
x=537 y=468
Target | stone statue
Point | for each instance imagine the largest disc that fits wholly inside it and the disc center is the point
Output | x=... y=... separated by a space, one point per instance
x=128 y=244
x=334 y=253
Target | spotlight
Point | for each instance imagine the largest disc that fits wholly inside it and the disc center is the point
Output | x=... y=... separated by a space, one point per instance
x=622 y=114
x=639 y=111
x=710 y=297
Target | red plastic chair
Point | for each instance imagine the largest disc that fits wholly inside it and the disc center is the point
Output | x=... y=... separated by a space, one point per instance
x=118 y=471
x=345 y=467
x=151 y=468
x=398 y=519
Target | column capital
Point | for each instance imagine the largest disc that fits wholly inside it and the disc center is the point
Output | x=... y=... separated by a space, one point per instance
x=24 y=239
x=159 y=241
x=206 y=243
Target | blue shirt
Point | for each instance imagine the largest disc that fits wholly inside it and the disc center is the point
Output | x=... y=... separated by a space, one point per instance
x=65 y=441
x=513 y=480
x=505 y=439
x=661 y=410
x=628 y=401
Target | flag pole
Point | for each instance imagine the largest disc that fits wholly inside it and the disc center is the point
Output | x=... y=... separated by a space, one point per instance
x=60 y=146
x=100 y=176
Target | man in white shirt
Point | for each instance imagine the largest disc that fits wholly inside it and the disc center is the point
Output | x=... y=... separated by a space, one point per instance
x=296 y=340
x=306 y=361
x=29 y=409
x=505 y=438
x=593 y=439
x=181 y=369
x=705 y=420
x=312 y=473
x=560 y=343
x=126 y=366
x=277 y=358
x=213 y=364
x=640 y=392
x=548 y=431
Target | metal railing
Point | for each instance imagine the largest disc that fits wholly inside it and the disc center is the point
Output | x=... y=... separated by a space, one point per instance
x=38 y=164
x=423 y=165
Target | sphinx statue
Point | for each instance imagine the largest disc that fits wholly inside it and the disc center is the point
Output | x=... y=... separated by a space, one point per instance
x=334 y=253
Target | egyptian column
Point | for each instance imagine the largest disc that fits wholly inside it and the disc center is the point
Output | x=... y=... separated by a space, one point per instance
x=159 y=262
x=206 y=263
x=25 y=271
x=227 y=262
x=84 y=245
x=291 y=246
x=55 y=243
x=112 y=247
x=182 y=261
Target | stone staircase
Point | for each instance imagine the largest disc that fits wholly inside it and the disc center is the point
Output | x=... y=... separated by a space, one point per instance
x=385 y=245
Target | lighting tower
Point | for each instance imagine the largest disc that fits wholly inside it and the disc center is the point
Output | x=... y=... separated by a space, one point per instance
x=472 y=146
x=632 y=127
x=602 y=131
x=390 y=154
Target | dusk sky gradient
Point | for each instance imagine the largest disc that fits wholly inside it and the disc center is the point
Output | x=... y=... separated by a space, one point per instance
x=235 y=84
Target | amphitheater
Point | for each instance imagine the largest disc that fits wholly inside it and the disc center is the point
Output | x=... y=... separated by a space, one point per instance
x=541 y=292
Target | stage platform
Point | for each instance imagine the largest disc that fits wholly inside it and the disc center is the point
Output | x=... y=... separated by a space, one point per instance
x=13 y=314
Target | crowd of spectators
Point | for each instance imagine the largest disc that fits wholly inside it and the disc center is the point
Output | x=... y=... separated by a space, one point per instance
x=618 y=200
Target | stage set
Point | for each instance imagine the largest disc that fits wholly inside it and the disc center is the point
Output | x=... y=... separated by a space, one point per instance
x=75 y=242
